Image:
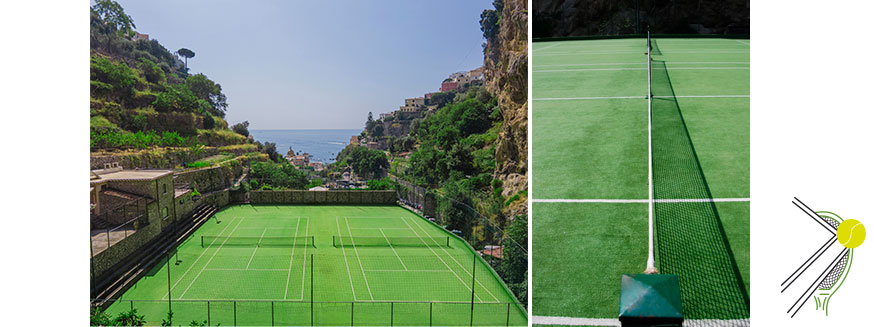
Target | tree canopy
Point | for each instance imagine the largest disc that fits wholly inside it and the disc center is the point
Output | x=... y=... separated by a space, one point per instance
x=113 y=16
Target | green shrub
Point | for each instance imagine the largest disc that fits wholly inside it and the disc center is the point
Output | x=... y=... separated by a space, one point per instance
x=208 y=122
x=178 y=97
x=151 y=71
x=142 y=99
x=111 y=111
x=137 y=122
x=382 y=184
x=116 y=80
x=198 y=164
x=284 y=175
x=110 y=139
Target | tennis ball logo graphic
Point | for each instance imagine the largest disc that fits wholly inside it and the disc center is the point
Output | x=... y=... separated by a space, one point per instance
x=851 y=233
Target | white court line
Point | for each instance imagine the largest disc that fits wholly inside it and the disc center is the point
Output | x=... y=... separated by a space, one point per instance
x=469 y=288
x=397 y=270
x=742 y=42
x=343 y=249
x=643 y=97
x=453 y=259
x=291 y=262
x=256 y=248
x=573 y=321
x=379 y=228
x=592 y=98
x=637 y=63
x=702 y=96
x=195 y=261
x=237 y=269
x=619 y=69
x=304 y=276
x=264 y=227
x=634 y=51
x=393 y=248
x=210 y=260
x=352 y=239
x=547 y=47
x=640 y=200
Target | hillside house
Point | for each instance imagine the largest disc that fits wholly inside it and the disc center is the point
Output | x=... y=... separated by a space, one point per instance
x=448 y=86
x=301 y=161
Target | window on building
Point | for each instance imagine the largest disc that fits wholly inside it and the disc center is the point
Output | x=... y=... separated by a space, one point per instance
x=166 y=212
x=165 y=188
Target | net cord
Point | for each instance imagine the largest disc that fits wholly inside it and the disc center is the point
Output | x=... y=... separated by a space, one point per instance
x=650 y=261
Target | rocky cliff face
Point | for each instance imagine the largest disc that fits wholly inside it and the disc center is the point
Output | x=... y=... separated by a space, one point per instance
x=506 y=76
x=553 y=18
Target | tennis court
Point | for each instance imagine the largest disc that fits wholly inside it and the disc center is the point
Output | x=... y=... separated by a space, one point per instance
x=590 y=172
x=323 y=265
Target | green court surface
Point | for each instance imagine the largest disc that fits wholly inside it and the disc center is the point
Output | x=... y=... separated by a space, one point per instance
x=326 y=266
x=590 y=174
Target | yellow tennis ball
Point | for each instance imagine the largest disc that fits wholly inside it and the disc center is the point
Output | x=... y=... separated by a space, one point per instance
x=851 y=233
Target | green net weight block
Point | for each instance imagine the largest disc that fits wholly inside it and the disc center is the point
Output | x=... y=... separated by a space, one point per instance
x=650 y=300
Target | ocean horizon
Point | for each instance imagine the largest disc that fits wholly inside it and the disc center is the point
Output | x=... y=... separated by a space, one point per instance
x=322 y=144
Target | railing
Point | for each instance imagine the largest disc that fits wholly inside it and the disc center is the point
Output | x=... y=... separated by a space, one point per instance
x=321 y=313
x=103 y=239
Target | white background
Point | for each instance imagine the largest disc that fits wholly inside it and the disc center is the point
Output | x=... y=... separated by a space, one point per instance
x=812 y=121
x=812 y=137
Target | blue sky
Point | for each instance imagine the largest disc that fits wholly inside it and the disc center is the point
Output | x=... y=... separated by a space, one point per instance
x=318 y=64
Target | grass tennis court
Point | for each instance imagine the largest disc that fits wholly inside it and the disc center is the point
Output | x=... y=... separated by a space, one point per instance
x=590 y=174
x=347 y=265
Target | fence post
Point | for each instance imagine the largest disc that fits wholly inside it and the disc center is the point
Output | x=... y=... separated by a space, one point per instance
x=235 y=313
x=352 y=319
x=430 y=313
x=108 y=243
x=169 y=297
x=392 y=315
x=312 y=292
x=272 y=315
x=208 y=320
x=472 y=288
x=93 y=282
x=508 y=314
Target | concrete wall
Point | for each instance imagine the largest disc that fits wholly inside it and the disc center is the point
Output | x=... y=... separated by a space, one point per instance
x=323 y=197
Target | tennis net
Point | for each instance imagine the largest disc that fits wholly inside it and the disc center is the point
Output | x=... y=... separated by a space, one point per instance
x=691 y=241
x=346 y=241
x=244 y=241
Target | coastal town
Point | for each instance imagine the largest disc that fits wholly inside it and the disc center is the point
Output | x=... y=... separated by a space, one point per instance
x=388 y=127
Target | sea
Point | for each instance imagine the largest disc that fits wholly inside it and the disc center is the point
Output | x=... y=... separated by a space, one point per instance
x=322 y=144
